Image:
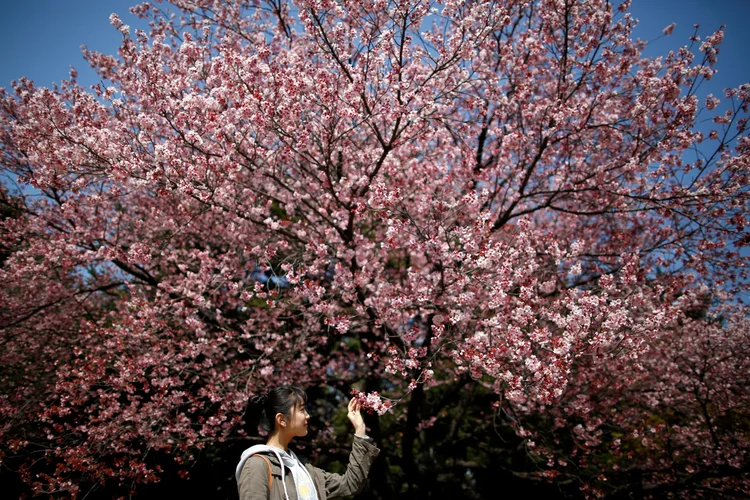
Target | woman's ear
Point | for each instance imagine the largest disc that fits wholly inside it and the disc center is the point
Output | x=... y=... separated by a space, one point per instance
x=280 y=420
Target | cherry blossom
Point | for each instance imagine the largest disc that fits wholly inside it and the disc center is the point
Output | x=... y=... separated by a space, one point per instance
x=499 y=213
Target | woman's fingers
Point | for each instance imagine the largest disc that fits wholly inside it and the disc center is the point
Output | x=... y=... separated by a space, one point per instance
x=354 y=405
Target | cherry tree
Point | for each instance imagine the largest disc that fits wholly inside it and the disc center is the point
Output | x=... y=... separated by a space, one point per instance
x=493 y=214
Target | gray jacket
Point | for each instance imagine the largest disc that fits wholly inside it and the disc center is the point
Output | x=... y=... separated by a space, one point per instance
x=253 y=478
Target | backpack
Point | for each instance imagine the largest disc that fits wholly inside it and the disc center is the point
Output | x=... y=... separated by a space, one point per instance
x=270 y=477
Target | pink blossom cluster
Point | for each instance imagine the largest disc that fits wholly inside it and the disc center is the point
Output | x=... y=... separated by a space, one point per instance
x=372 y=402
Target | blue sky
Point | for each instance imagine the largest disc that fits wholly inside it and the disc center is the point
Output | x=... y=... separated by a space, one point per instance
x=41 y=39
x=734 y=64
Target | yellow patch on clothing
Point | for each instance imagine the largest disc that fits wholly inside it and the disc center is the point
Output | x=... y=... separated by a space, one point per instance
x=304 y=490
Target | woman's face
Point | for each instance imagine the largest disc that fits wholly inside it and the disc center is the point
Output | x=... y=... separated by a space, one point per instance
x=298 y=420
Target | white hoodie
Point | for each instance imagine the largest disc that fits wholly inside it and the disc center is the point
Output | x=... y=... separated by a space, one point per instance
x=302 y=480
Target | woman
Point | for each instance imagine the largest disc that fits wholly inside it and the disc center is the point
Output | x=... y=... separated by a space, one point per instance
x=273 y=472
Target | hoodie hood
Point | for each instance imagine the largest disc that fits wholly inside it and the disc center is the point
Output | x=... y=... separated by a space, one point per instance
x=262 y=448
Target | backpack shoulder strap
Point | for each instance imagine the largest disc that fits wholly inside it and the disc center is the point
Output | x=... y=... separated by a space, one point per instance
x=270 y=477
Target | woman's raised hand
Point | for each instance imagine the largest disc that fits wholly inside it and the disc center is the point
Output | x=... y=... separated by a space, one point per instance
x=355 y=417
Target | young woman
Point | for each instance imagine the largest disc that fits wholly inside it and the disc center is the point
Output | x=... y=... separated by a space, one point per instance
x=273 y=472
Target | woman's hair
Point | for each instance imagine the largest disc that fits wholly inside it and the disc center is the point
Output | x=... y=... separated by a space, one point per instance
x=262 y=410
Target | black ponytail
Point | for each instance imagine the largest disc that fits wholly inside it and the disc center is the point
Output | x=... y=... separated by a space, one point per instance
x=261 y=410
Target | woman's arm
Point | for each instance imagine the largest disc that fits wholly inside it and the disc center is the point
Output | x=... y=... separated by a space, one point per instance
x=353 y=480
x=360 y=459
x=253 y=483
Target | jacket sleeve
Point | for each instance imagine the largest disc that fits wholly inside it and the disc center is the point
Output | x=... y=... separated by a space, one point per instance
x=253 y=483
x=353 y=480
